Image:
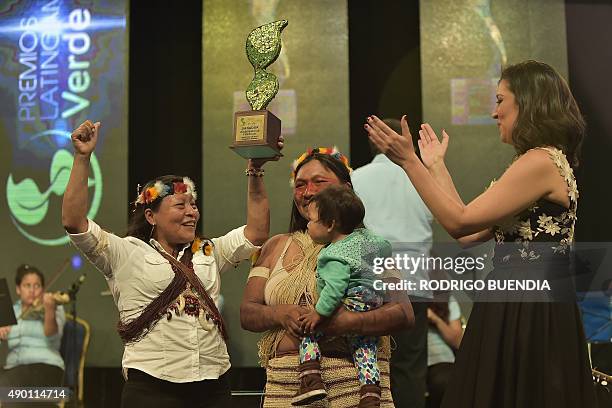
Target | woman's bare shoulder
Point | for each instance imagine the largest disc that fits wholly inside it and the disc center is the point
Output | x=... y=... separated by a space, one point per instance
x=271 y=250
x=535 y=164
x=276 y=241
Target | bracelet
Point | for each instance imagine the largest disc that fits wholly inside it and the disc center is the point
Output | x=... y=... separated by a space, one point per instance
x=255 y=172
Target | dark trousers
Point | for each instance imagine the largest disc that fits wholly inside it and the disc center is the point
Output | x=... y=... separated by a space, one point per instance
x=31 y=375
x=409 y=362
x=438 y=377
x=143 y=390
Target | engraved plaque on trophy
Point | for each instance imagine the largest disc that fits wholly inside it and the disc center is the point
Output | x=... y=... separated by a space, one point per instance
x=256 y=132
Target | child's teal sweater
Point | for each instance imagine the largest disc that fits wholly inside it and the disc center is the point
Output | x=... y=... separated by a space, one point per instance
x=346 y=264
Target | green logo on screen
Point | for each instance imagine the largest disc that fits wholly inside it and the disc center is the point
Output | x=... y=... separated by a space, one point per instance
x=29 y=203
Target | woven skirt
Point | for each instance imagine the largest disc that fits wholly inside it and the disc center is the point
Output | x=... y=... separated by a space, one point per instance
x=338 y=374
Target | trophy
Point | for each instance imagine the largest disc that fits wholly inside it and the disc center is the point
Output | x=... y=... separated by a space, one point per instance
x=256 y=132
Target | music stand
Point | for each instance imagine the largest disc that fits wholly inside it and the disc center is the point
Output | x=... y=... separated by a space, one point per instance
x=7 y=314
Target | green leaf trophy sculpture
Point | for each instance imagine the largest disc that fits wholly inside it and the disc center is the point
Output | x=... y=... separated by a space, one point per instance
x=256 y=132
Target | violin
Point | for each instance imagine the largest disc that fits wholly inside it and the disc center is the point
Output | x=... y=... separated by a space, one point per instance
x=37 y=310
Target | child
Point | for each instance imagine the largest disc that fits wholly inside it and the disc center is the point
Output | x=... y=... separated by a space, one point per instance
x=344 y=276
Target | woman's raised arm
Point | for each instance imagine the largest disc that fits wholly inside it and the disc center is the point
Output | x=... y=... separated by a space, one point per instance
x=74 y=206
x=528 y=179
x=258 y=209
x=433 y=153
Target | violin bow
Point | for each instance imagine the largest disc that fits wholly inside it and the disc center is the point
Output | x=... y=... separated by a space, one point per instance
x=58 y=273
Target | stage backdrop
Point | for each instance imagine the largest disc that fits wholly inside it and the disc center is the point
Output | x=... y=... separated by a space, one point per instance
x=464 y=45
x=62 y=62
x=312 y=105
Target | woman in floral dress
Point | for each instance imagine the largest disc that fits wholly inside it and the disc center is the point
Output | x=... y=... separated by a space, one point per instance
x=527 y=349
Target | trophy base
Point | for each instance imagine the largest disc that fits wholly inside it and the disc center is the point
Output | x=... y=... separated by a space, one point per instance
x=256 y=151
x=256 y=134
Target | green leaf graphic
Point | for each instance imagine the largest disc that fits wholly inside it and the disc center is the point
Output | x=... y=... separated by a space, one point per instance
x=25 y=201
x=60 y=171
x=29 y=206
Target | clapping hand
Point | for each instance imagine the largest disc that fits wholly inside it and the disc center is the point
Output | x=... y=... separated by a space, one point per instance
x=432 y=150
x=398 y=148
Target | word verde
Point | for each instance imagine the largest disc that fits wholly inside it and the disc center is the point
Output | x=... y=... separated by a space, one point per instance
x=39 y=53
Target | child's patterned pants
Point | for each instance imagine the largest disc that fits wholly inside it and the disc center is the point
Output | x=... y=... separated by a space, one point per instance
x=364 y=348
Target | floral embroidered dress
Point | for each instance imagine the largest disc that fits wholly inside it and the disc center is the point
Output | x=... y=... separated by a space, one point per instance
x=531 y=351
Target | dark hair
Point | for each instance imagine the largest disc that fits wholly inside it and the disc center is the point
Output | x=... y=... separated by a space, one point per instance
x=396 y=126
x=138 y=226
x=298 y=223
x=548 y=113
x=339 y=204
x=25 y=269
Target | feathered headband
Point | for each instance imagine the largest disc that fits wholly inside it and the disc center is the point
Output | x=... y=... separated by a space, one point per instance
x=331 y=151
x=160 y=190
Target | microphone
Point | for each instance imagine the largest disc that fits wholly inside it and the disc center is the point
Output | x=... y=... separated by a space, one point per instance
x=76 y=285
